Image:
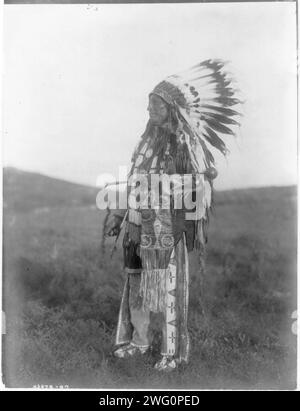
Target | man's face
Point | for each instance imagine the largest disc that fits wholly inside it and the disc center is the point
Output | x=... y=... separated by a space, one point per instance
x=158 y=110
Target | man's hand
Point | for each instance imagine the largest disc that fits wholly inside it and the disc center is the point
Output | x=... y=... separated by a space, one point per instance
x=113 y=227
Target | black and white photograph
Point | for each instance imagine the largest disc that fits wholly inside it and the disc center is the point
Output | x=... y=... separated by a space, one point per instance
x=149 y=174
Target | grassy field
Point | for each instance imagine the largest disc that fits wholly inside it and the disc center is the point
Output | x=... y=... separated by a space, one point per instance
x=61 y=296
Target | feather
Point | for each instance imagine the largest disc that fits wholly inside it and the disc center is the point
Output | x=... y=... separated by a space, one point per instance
x=219 y=127
x=226 y=101
x=221 y=118
x=200 y=77
x=214 y=64
x=223 y=110
x=220 y=77
x=209 y=159
x=225 y=92
x=203 y=63
x=215 y=140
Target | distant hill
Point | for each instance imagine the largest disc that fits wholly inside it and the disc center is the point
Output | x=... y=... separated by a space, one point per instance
x=25 y=191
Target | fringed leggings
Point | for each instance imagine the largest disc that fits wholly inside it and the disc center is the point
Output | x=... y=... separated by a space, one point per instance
x=134 y=323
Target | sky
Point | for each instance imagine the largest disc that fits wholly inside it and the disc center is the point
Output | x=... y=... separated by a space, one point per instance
x=77 y=79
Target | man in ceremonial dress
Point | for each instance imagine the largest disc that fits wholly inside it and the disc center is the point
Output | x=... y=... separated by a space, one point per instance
x=188 y=112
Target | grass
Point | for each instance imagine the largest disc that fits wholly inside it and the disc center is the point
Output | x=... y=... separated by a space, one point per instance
x=61 y=298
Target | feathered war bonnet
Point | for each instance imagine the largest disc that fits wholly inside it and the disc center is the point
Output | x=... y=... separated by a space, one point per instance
x=202 y=98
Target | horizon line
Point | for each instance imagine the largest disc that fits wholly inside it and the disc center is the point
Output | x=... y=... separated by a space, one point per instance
x=95 y=186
